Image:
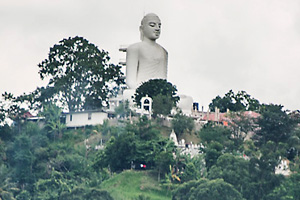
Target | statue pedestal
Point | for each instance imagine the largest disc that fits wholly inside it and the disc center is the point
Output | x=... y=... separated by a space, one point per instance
x=185 y=103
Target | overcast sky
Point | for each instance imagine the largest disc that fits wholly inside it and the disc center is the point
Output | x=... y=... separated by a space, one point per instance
x=213 y=45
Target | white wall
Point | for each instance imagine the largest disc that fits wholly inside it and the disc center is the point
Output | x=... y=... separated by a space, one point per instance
x=82 y=118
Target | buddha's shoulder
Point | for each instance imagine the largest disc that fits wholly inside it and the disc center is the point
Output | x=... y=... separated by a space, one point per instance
x=143 y=45
x=135 y=46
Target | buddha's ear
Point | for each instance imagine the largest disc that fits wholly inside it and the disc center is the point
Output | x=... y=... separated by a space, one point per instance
x=141 y=33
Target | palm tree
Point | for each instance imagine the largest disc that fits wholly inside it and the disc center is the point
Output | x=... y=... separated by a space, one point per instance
x=53 y=124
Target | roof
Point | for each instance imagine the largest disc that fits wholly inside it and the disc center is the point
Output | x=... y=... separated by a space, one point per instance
x=215 y=117
x=84 y=111
x=218 y=117
x=27 y=115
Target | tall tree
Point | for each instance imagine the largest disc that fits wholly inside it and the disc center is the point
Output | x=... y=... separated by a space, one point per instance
x=162 y=105
x=53 y=124
x=79 y=74
x=234 y=170
x=182 y=123
x=216 y=140
x=23 y=160
x=155 y=87
x=275 y=125
x=234 y=102
x=289 y=189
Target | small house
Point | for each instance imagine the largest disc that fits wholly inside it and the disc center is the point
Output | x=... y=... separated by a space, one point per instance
x=84 y=118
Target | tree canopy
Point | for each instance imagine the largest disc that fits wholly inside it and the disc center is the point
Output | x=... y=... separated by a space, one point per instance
x=79 y=74
x=207 y=190
x=139 y=142
x=156 y=87
x=234 y=102
x=275 y=124
x=182 y=123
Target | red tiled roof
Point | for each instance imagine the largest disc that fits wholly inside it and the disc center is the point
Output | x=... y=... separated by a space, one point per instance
x=224 y=117
x=27 y=115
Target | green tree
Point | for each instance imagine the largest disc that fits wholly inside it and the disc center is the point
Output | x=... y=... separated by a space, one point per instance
x=123 y=109
x=23 y=195
x=182 y=123
x=164 y=158
x=241 y=125
x=144 y=129
x=2 y=113
x=263 y=179
x=6 y=132
x=162 y=105
x=24 y=158
x=139 y=142
x=274 y=125
x=23 y=161
x=183 y=191
x=80 y=193
x=13 y=109
x=155 y=87
x=294 y=144
x=79 y=74
x=205 y=189
x=289 y=189
x=234 y=102
x=272 y=137
x=51 y=188
x=293 y=150
x=53 y=124
x=216 y=140
x=234 y=170
x=118 y=153
x=2 y=152
x=190 y=172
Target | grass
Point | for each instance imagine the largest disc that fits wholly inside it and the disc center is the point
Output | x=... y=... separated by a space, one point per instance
x=129 y=185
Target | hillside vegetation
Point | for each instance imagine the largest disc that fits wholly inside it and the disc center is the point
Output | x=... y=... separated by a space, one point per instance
x=241 y=156
x=52 y=163
x=240 y=159
x=135 y=185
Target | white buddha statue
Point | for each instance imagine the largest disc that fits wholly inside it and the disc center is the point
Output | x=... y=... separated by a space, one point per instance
x=145 y=60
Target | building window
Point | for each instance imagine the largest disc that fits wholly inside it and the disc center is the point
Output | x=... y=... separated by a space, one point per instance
x=71 y=118
x=89 y=116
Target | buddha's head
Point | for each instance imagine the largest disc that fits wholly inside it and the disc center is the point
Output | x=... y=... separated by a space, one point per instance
x=150 y=27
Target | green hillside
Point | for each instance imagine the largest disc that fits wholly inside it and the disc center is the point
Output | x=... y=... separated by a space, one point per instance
x=132 y=184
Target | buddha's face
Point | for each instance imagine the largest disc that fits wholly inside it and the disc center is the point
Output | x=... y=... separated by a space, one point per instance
x=151 y=27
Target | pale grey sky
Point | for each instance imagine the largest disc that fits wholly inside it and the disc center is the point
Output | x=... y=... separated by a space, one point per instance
x=213 y=45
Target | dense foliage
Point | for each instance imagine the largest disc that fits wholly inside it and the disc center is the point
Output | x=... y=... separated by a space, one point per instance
x=138 y=143
x=182 y=124
x=79 y=74
x=205 y=189
x=155 y=87
x=234 y=102
x=249 y=164
x=51 y=162
x=35 y=165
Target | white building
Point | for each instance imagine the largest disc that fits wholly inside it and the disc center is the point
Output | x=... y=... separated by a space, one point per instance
x=283 y=168
x=83 y=118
